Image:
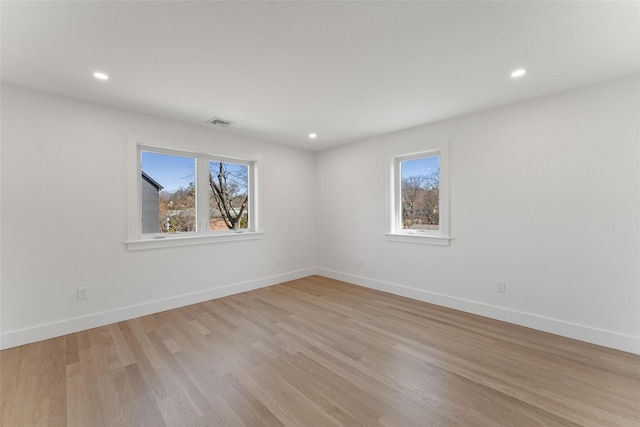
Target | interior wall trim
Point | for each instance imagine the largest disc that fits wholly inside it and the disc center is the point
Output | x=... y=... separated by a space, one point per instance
x=563 y=328
x=45 y=331
x=585 y=333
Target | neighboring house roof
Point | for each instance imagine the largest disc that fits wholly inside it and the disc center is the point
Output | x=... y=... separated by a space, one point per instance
x=151 y=181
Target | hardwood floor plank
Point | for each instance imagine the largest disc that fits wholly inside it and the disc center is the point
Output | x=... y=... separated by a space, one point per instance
x=209 y=385
x=55 y=375
x=10 y=378
x=281 y=398
x=143 y=357
x=77 y=407
x=317 y=352
x=90 y=381
x=122 y=349
x=185 y=396
x=248 y=408
x=331 y=402
x=145 y=397
x=72 y=353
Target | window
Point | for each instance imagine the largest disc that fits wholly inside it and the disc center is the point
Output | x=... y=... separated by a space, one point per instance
x=185 y=197
x=419 y=193
x=419 y=205
x=168 y=193
x=228 y=195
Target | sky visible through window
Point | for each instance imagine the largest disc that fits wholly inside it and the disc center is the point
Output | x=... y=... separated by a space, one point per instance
x=170 y=171
x=422 y=166
x=174 y=172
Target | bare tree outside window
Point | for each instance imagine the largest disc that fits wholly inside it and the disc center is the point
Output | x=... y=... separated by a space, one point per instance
x=229 y=196
x=169 y=193
x=420 y=195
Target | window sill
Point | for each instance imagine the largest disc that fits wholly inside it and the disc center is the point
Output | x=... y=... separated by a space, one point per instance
x=419 y=239
x=174 y=241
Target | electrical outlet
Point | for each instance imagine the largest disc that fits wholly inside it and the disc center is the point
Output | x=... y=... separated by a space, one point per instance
x=82 y=293
x=277 y=261
x=360 y=263
x=501 y=286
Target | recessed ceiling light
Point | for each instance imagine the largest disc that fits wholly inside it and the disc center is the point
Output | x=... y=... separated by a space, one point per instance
x=100 y=76
x=518 y=73
x=312 y=135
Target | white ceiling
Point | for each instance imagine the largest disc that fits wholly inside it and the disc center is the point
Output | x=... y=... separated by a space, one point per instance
x=346 y=70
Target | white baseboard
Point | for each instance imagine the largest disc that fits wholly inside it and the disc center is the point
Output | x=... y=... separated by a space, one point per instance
x=592 y=335
x=579 y=332
x=55 y=329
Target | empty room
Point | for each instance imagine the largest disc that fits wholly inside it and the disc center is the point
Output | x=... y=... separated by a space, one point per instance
x=320 y=213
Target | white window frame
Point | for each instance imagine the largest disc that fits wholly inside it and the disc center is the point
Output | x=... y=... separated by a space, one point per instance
x=136 y=240
x=440 y=237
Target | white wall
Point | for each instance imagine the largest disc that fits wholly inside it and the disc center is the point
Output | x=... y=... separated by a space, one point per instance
x=545 y=195
x=64 y=219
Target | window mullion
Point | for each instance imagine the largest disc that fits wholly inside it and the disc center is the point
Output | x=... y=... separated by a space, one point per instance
x=397 y=202
x=202 y=194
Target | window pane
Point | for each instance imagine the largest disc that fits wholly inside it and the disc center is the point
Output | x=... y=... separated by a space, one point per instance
x=168 y=193
x=419 y=192
x=228 y=196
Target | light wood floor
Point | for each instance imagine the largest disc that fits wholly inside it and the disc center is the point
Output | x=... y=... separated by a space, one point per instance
x=317 y=352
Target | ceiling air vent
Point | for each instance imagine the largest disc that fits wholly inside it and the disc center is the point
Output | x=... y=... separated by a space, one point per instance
x=217 y=121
